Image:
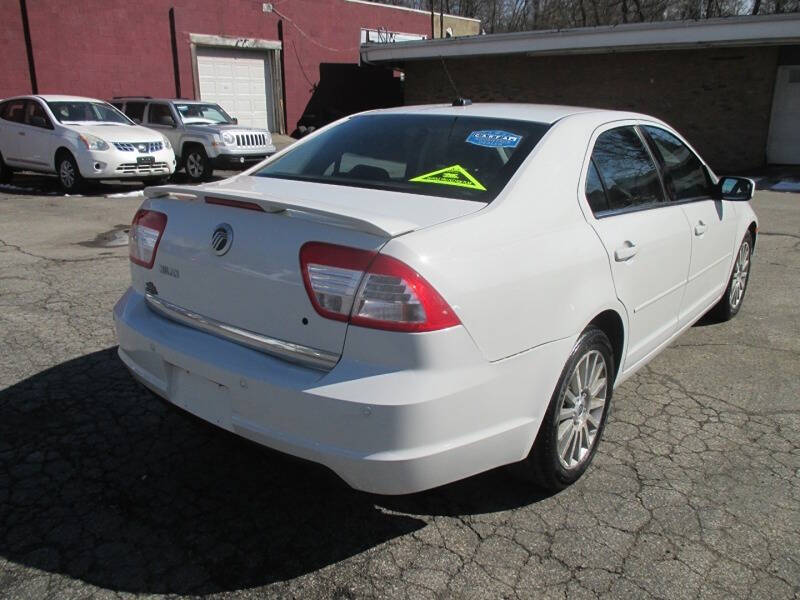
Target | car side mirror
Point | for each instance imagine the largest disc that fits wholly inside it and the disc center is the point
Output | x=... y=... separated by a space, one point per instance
x=167 y=121
x=137 y=121
x=234 y=120
x=738 y=189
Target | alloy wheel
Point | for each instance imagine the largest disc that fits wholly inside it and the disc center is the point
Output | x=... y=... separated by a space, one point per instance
x=194 y=165
x=580 y=410
x=66 y=173
x=740 y=271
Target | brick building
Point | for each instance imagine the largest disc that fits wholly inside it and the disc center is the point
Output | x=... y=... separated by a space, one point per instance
x=732 y=86
x=259 y=60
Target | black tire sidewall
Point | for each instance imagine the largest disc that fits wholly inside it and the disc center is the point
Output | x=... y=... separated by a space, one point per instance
x=5 y=172
x=543 y=457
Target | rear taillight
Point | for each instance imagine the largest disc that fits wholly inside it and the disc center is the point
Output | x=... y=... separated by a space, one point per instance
x=146 y=231
x=371 y=290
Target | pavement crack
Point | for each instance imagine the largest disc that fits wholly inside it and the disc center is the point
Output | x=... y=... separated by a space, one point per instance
x=21 y=250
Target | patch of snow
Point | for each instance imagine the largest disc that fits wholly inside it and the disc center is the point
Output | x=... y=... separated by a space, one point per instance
x=10 y=189
x=786 y=186
x=15 y=188
x=136 y=194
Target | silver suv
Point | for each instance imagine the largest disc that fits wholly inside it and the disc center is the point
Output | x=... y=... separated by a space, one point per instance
x=202 y=134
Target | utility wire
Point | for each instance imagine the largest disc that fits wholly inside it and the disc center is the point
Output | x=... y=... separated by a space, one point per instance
x=307 y=36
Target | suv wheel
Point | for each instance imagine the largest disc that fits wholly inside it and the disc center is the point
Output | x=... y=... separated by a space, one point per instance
x=5 y=172
x=196 y=164
x=69 y=176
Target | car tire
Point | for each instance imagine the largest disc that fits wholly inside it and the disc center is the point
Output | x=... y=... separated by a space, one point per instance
x=196 y=164
x=69 y=176
x=5 y=172
x=572 y=428
x=733 y=298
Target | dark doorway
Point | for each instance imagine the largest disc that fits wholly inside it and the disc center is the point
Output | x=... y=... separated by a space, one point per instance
x=344 y=89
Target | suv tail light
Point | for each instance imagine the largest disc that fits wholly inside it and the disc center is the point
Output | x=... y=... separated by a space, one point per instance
x=371 y=290
x=146 y=231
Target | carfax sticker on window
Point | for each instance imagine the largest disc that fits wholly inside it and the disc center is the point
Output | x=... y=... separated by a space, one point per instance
x=492 y=138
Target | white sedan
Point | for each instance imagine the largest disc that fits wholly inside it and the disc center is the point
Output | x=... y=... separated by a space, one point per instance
x=79 y=139
x=416 y=295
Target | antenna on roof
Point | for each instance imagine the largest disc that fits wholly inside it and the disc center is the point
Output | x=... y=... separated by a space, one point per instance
x=460 y=100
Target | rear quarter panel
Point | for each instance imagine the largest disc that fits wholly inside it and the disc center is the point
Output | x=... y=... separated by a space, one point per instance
x=527 y=269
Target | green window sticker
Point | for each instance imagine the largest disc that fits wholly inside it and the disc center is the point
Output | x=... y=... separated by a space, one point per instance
x=454 y=175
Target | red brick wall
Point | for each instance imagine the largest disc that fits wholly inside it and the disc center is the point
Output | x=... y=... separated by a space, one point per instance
x=104 y=48
x=720 y=99
x=14 y=74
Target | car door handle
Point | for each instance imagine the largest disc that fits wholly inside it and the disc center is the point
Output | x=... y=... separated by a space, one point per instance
x=625 y=252
x=21 y=132
x=700 y=228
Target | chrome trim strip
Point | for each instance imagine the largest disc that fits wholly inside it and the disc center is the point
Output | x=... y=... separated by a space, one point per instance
x=296 y=353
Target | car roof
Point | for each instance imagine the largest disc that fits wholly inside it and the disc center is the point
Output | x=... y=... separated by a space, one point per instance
x=540 y=113
x=149 y=99
x=65 y=98
x=54 y=98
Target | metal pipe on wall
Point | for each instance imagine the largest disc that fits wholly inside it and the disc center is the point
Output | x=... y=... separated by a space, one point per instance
x=26 y=30
x=174 y=39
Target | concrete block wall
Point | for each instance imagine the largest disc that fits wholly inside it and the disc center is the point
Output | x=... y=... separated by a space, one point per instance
x=719 y=99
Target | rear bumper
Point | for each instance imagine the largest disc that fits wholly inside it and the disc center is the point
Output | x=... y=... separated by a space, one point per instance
x=430 y=414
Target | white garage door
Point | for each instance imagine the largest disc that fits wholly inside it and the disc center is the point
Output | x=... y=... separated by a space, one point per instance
x=239 y=81
x=783 y=145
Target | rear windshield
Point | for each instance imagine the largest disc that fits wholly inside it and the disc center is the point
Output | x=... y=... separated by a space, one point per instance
x=469 y=158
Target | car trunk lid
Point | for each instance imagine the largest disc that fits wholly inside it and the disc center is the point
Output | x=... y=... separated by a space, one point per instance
x=255 y=285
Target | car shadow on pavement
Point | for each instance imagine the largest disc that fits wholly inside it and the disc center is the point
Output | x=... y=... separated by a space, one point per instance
x=103 y=482
x=39 y=184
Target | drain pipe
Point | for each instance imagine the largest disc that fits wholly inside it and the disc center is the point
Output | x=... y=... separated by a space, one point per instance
x=285 y=127
x=26 y=30
x=174 y=39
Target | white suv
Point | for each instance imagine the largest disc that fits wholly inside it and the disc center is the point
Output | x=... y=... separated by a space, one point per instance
x=78 y=139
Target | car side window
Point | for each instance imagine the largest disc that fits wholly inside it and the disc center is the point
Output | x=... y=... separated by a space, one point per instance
x=159 y=114
x=595 y=193
x=135 y=110
x=35 y=116
x=14 y=111
x=684 y=175
x=628 y=173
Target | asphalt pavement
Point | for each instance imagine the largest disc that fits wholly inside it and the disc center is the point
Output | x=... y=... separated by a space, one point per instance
x=106 y=491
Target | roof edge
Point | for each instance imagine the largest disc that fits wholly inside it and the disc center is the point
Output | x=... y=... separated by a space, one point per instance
x=630 y=37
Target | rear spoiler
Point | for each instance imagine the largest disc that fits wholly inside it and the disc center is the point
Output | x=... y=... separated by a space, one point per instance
x=338 y=214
